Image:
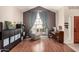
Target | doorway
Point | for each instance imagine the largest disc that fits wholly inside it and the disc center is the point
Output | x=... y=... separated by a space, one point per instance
x=76 y=29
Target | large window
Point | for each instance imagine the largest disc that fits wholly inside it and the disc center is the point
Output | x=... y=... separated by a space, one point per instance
x=38 y=25
x=38 y=22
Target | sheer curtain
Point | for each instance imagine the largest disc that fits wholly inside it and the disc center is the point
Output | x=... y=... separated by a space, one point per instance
x=32 y=18
x=44 y=18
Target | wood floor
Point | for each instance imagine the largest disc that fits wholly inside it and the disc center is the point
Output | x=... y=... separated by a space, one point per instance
x=46 y=45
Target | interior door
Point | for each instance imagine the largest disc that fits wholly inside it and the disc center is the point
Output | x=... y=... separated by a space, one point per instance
x=76 y=29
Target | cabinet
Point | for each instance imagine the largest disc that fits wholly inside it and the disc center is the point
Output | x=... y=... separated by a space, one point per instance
x=9 y=38
x=60 y=36
x=1 y=27
x=57 y=36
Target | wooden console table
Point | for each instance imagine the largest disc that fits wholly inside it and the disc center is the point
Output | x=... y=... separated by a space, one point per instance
x=58 y=36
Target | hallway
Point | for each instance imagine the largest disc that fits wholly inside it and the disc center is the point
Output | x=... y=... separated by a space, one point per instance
x=47 y=45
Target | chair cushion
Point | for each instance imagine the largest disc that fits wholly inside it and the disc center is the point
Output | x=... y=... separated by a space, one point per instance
x=35 y=37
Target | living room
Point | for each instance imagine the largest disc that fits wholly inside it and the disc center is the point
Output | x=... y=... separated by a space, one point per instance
x=40 y=22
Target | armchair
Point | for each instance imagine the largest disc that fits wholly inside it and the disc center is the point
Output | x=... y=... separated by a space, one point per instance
x=34 y=36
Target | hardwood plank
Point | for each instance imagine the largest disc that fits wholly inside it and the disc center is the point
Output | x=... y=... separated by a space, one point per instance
x=46 y=45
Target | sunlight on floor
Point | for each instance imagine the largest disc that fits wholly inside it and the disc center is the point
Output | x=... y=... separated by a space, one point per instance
x=44 y=37
x=39 y=47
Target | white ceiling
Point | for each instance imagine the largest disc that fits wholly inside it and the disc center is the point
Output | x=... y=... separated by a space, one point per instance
x=51 y=8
